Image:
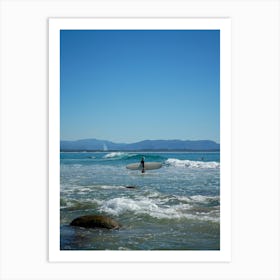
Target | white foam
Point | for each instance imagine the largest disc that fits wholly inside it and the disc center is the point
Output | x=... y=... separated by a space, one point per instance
x=84 y=190
x=197 y=198
x=114 y=154
x=200 y=198
x=107 y=187
x=155 y=208
x=120 y=205
x=192 y=164
x=75 y=204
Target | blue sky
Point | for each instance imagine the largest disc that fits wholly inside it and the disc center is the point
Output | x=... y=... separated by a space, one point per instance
x=127 y=86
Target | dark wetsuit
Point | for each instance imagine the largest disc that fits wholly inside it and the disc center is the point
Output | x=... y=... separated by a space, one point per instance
x=142 y=165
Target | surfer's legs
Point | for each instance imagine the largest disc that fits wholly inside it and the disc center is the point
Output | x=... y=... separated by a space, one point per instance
x=142 y=165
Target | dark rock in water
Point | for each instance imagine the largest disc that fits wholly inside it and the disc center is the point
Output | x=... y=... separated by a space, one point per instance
x=131 y=187
x=95 y=221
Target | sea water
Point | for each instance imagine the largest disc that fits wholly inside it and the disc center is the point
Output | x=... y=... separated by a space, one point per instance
x=176 y=207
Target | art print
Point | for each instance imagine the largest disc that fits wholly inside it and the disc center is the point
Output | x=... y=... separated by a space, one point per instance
x=140 y=145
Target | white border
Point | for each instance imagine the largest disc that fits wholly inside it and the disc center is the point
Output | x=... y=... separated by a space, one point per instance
x=222 y=24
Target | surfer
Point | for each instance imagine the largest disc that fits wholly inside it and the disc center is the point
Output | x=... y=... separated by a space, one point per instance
x=142 y=164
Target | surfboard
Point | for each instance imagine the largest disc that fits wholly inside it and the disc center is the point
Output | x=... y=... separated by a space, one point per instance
x=147 y=166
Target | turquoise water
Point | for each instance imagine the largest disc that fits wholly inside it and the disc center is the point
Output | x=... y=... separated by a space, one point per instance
x=176 y=207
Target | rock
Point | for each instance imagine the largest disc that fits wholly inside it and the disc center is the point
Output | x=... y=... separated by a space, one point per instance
x=95 y=221
x=131 y=187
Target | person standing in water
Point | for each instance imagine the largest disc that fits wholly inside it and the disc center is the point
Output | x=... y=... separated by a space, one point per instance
x=142 y=164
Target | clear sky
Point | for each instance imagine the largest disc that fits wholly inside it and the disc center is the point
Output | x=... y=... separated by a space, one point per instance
x=128 y=86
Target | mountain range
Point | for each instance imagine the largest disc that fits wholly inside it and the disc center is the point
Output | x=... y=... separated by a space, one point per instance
x=145 y=145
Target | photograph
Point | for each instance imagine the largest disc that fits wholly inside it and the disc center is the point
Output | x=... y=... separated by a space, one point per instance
x=140 y=139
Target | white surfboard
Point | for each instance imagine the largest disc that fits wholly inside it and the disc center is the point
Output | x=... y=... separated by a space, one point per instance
x=147 y=166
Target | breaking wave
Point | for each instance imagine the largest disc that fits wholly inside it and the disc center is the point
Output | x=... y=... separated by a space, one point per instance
x=191 y=164
x=131 y=156
x=116 y=155
x=192 y=208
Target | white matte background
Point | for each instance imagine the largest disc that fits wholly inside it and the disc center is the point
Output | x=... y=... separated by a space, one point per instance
x=24 y=134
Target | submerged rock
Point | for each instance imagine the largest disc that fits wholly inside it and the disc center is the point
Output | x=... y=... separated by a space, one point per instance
x=95 y=221
x=131 y=187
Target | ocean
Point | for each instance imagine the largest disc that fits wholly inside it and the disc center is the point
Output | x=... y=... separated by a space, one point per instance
x=176 y=207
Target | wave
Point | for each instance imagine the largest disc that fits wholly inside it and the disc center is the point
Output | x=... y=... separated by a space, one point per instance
x=131 y=156
x=198 y=199
x=75 y=204
x=89 y=188
x=191 y=164
x=159 y=209
x=153 y=204
x=115 y=155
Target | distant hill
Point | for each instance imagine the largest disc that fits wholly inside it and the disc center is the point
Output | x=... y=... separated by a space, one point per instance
x=146 y=145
